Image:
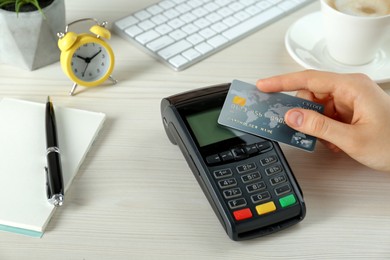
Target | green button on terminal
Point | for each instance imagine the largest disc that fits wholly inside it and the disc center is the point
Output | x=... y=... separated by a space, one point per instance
x=287 y=200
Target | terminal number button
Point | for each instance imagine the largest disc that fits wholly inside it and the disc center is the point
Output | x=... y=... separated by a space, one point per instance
x=246 y=167
x=251 y=177
x=227 y=183
x=273 y=169
x=232 y=193
x=260 y=197
x=256 y=187
x=268 y=160
x=222 y=173
x=278 y=179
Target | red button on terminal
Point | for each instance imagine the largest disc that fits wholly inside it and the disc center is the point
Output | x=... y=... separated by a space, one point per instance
x=242 y=214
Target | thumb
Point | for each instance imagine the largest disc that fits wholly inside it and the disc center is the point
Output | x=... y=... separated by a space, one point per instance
x=315 y=124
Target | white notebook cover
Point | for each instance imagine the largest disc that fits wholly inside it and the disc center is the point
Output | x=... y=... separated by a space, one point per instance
x=24 y=207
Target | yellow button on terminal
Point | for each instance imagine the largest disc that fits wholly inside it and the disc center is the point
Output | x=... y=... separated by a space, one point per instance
x=265 y=208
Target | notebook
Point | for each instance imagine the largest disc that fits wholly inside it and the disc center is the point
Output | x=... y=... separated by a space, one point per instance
x=24 y=207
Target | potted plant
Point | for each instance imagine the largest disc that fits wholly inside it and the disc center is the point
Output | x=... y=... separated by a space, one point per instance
x=28 y=32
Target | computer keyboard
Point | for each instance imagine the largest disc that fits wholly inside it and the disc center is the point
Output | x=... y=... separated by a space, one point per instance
x=181 y=33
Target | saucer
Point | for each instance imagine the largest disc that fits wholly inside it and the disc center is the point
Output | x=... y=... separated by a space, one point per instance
x=306 y=44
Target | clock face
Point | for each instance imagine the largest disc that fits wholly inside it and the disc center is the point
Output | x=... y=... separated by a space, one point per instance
x=90 y=62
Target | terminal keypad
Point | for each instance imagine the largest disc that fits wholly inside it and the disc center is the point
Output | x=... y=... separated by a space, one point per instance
x=255 y=183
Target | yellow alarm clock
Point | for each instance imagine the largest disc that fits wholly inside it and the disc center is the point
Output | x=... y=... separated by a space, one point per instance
x=86 y=58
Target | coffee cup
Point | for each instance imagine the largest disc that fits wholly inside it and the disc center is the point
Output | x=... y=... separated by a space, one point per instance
x=355 y=30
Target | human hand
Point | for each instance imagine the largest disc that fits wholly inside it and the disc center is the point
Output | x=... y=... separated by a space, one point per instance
x=356 y=117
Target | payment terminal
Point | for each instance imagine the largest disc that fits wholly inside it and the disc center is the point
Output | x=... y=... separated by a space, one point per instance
x=245 y=178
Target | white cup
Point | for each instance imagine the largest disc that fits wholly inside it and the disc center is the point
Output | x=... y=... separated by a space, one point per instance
x=354 y=37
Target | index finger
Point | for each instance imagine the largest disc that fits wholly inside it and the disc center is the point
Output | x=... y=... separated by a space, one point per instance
x=315 y=81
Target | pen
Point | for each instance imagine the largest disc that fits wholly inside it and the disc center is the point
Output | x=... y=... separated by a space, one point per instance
x=54 y=179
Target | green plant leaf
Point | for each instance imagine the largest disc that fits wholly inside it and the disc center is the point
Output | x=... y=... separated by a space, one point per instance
x=6 y=2
x=20 y=3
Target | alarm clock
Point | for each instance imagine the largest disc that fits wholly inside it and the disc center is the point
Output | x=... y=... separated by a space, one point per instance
x=86 y=58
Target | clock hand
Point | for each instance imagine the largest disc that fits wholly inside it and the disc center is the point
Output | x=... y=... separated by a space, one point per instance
x=78 y=56
x=88 y=60
x=95 y=55
x=85 y=69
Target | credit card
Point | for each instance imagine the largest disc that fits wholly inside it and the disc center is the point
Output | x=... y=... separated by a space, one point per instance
x=249 y=110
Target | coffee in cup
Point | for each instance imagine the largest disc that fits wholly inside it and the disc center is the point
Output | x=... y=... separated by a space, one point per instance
x=362 y=7
x=355 y=29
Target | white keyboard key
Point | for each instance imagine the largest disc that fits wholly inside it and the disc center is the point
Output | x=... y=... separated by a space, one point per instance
x=213 y=17
x=126 y=22
x=159 y=19
x=287 y=5
x=247 y=2
x=211 y=7
x=159 y=43
x=178 y=61
x=163 y=29
x=155 y=9
x=202 y=23
x=199 y=12
x=195 y=39
x=146 y=25
x=188 y=17
x=195 y=3
x=178 y=34
x=236 y=6
x=225 y=12
x=217 y=41
x=171 y=13
x=133 y=31
x=166 y=4
x=230 y=21
x=147 y=36
x=222 y=2
x=174 y=49
x=183 y=32
x=207 y=33
x=252 y=23
x=242 y=16
x=253 y=10
x=183 y=8
x=190 y=29
x=219 y=27
x=142 y=15
x=191 y=54
x=204 y=47
x=176 y=23
x=264 y=5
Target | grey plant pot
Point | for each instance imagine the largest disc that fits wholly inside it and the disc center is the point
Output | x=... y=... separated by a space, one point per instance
x=28 y=40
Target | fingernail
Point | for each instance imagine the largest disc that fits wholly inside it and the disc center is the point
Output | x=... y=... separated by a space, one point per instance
x=295 y=118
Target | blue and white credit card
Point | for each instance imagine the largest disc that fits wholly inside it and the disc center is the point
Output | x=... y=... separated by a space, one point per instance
x=249 y=110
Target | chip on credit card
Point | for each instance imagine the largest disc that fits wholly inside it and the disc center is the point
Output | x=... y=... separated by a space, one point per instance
x=249 y=110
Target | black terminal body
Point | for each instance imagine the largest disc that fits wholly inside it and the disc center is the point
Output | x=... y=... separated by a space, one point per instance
x=245 y=178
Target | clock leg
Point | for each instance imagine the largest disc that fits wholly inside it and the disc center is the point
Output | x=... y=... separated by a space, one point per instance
x=71 y=93
x=114 y=81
